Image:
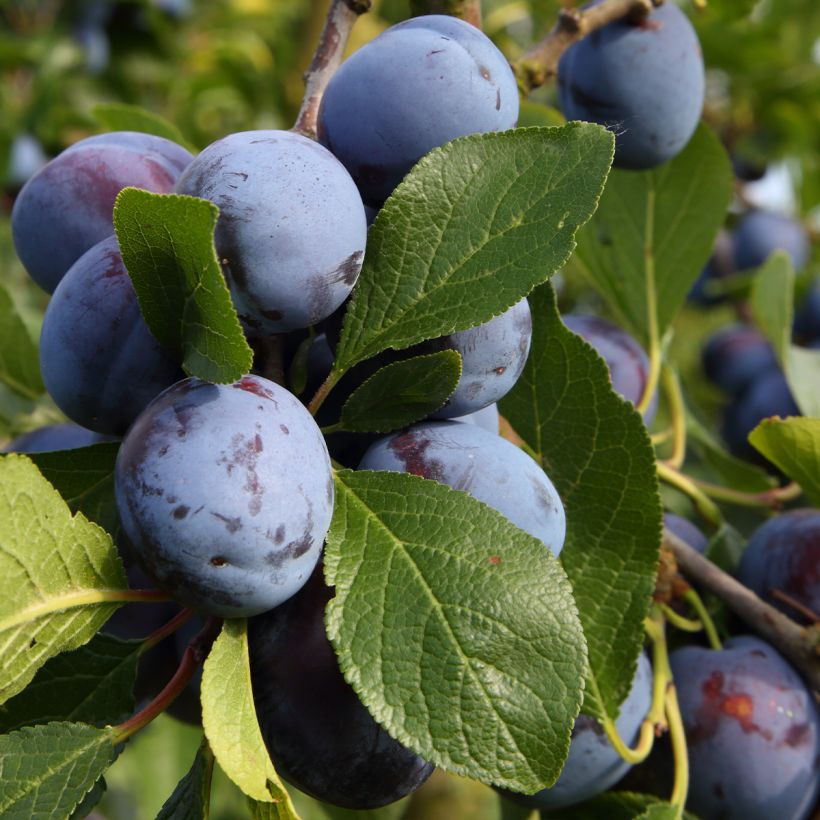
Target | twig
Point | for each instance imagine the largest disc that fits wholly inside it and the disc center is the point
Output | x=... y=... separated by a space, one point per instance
x=540 y=62
x=467 y=10
x=799 y=645
x=326 y=59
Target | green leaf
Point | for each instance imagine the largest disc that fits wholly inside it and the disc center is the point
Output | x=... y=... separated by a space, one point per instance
x=402 y=392
x=456 y=629
x=269 y=811
x=793 y=445
x=653 y=232
x=595 y=448
x=84 y=477
x=470 y=231
x=46 y=771
x=533 y=113
x=192 y=796
x=54 y=570
x=725 y=548
x=229 y=720
x=661 y=811
x=87 y=804
x=93 y=684
x=124 y=117
x=167 y=244
x=19 y=360
x=771 y=299
x=622 y=806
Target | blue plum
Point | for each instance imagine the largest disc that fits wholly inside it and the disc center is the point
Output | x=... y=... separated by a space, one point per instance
x=226 y=493
x=593 y=765
x=734 y=356
x=686 y=531
x=807 y=316
x=99 y=361
x=627 y=361
x=487 y=418
x=319 y=735
x=67 y=206
x=644 y=80
x=760 y=233
x=784 y=554
x=291 y=231
x=486 y=466
x=753 y=732
x=54 y=437
x=415 y=87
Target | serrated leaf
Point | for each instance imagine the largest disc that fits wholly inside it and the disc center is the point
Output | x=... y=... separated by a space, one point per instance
x=54 y=570
x=470 y=231
x=124 y=117
x=771 y=298
x=19 y=360
x=93 y=684
x=191 y=798
x=87 y=804
x=46 y=771
x=595 y=448
x=654 y=230
x=230 y=723
x=402 y=392
x=167 y=244
x=456 y=629
x=84 y=477
x=793 y=445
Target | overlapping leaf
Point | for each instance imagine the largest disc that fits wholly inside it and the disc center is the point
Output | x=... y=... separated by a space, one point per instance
x=19 y=361
x=125 y=117
x=192 y=796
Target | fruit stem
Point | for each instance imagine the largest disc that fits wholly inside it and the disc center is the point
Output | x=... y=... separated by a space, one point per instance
x=332 y=428
x=679 y=622
x=696 y=602
x=655 y=353
x=166 y=629
x=677 y=412
x=322 y=393
x=662 y=436
x=707 y=509
x=771 y=499
x=677 y=735
x=661 y=674
x=195 y=653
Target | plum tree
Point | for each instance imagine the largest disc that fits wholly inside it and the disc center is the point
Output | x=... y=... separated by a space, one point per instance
x=319 y=735
x=291 y=230
x=784 y=554
x=686 y=531
x=67 y=206
x=99 y=361
x=418 y=85
x=593 y=765
x=734 y=356
x=226 y=493
x=627 y=361
x=643 y=80
x=753 y=732
x=486 y=466
x=760 y=233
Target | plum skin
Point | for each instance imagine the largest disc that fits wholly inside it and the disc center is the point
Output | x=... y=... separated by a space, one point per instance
x=319 y=735
x=99 y=361
x=67 y=206
x=226 y=493
x=734 y=356
x=752 y=729
x=291 y=231
x=644 y=81
x=469 y=458
x=688 y=532
x=759 y=233
x=413 y=88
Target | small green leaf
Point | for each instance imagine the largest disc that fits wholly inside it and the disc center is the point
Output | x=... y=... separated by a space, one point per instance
x=93 y=684
x=167 y=244
x=596 y=450
x=46 y=771
x=192 y=797
x=660 y=811
x=653 y=232
x=793 y=445
x=470 y=231
x=84 y=477
x=456 y=629
x=19 y=360
x=402 y=392
x=124 y=117
x=229 y=720
x=54 y=570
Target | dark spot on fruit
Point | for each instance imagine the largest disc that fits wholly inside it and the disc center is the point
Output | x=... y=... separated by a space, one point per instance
x=799 y=734
x=279 y=536
x=484 y=72
x=300 y=546
x=253 y=385
x=500 y=371
x=273 y=315
x=348 y=271
x=284 y=429
x=435 y=51
x=411 y=448
x=649 y=25
x=218 y=561
x=498 y=99
x=181 y=511
x=231 y=524
x=756 y=653
x=717 y=705
x=257 y=443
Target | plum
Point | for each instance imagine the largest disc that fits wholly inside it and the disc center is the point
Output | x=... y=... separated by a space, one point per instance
x=686 y=531
x=54 y=437
x=735 y=356
x=486 y=418
x=759 y=233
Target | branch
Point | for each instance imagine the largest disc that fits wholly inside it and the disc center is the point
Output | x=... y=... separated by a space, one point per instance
x=801 y=646
x=326 y=59
x=467 y=10
x=540 y=62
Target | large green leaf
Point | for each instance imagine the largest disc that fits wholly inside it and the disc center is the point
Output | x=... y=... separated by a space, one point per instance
x=594 y=447
x=19 y=361
x=653 y=232
x=457 y=630
x=54 y=570
x=471 y=230
x=167 y=244
x=192 y=797
x=46 y=771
